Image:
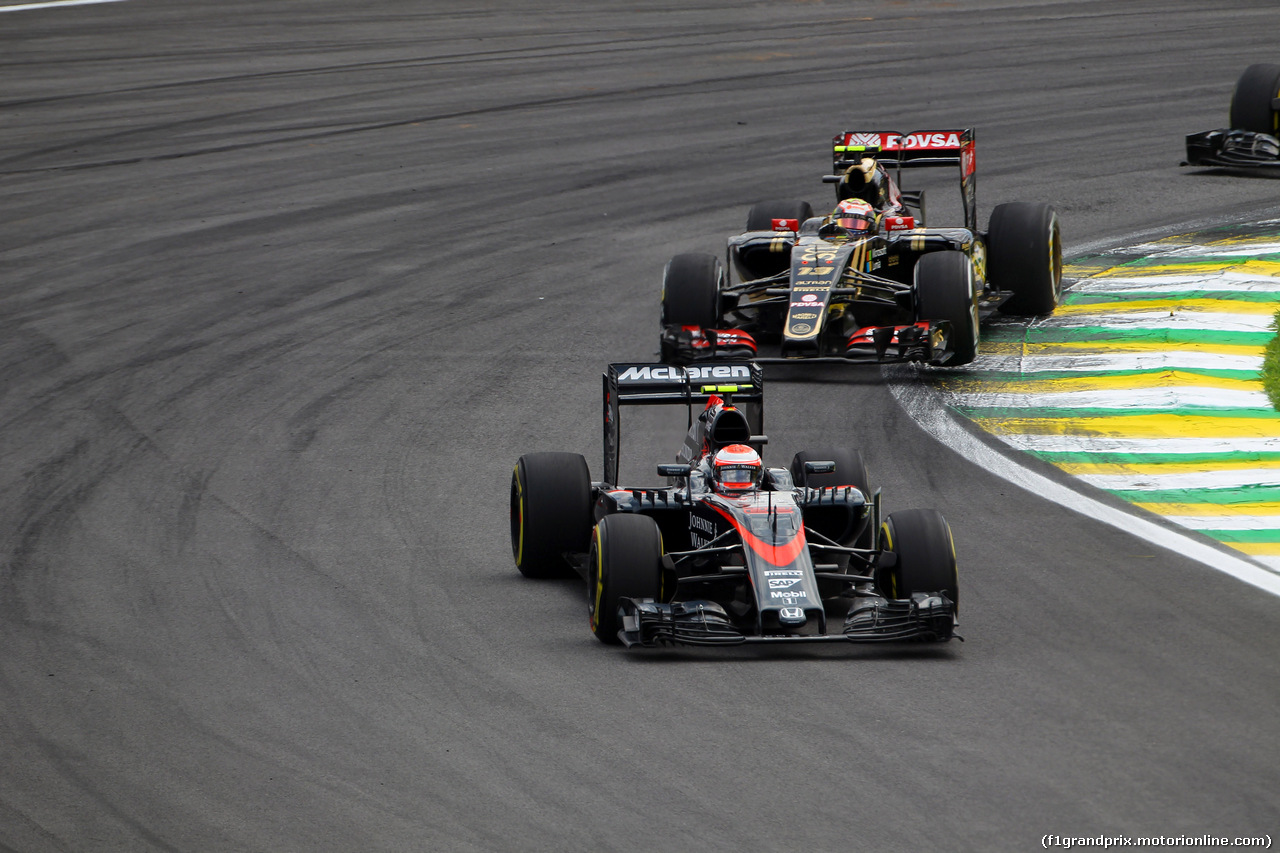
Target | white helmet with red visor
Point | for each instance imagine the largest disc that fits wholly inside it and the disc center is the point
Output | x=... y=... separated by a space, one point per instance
x=736 y=468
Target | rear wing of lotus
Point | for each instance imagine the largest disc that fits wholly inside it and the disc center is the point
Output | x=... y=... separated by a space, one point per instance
x=667 y=384
x=912 y=150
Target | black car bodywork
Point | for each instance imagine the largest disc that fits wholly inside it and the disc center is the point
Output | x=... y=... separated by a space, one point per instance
x=805 y=557
x=1253 y=139
x=901 y=292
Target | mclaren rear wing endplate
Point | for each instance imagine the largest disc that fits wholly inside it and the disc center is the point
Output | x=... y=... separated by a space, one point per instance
x=667 y=384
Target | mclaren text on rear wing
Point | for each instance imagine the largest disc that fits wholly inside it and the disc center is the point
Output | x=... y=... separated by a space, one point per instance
x=669 y=384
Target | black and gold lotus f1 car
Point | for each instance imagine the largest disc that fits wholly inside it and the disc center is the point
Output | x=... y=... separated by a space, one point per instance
x=800 y=554
x=877 y=288
x=1253 y=139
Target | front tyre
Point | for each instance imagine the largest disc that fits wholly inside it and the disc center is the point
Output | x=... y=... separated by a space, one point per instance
x=691 y=287
x=550 y=512
x=926 y=556
x=945 y=290
x=1251 y=101
x=625 y=561
x=1024 y=256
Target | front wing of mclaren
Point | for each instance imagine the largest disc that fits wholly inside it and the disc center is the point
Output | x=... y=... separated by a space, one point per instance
x=929 y=617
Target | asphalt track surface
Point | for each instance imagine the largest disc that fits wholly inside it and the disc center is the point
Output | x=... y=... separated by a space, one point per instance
x=286 y=289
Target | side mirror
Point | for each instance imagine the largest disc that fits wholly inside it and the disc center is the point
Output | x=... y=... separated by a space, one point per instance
x=817 y=467
x=758 y=439
x=673 y=469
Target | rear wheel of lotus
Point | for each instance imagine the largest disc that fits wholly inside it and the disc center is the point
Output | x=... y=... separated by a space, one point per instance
x=761 y=215
x=550 y=512
x=926 y=555
x=1024 y=256
x=625 y=561
x=1251 y=102
x=945 y=290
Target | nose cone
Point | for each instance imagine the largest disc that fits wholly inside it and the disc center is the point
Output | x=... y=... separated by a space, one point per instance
x=792 y=617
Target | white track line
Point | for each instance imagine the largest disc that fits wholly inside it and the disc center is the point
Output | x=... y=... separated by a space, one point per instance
x=1119 y=399
x=53 y=4
x=1049 y=443
x=922 y=405
x=1094 y=362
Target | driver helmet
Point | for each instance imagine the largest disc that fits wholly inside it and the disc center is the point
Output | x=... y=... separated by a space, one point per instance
x=736 y=468
x=854 y=215
x=866 y=181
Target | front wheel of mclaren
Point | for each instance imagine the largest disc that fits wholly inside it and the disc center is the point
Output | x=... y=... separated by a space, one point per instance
x=920 y=539
x=625 y=561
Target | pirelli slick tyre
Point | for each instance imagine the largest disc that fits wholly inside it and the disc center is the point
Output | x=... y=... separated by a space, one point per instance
x=776 y=259
x=625 y=561
x=550 y=512
x=946 y=290
x=926 y=555
x=761 y=215
x=851 y=470
x=691 y=289
x=1024 y=255
x=1253 y=101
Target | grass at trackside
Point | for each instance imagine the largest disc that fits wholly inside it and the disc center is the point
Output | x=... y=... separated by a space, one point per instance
x=1271 y=366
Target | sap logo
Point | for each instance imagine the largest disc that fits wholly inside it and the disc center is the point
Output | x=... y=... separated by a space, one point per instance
x=922 y=141
x=783 y=583
x=664 y=373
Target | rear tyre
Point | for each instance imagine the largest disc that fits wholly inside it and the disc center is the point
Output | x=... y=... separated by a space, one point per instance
x=691 y=289
x=761 y=215
x=550 y=512
x=625 y=561
x=926 y=562
x=945 y=290
x=1251 y=102
x=1024 y=255
x=851 y=470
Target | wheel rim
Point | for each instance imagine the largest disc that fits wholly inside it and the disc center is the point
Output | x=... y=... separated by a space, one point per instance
x=595 y=582
x=517 y=516
x=1055 y=260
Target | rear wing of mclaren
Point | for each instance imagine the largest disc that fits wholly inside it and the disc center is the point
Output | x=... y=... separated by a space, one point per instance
x=912 y=150
x=668 y=384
